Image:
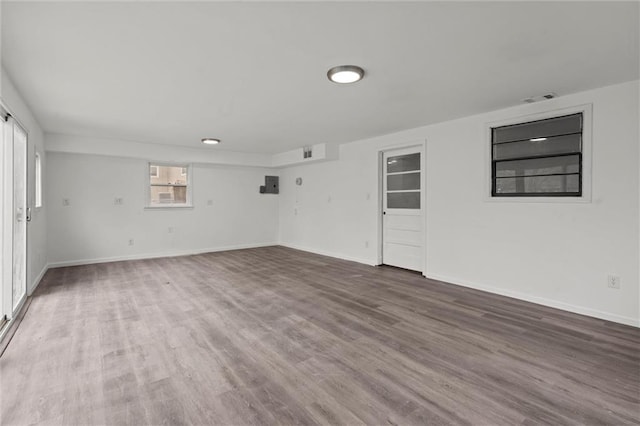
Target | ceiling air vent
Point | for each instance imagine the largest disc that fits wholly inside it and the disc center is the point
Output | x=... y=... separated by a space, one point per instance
x=544 y=97
x=307 y=152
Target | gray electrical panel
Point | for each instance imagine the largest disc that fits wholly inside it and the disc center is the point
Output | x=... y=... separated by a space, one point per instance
x=271 y=185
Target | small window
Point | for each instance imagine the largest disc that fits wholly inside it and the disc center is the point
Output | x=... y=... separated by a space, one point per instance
x=403 y=181
x=38 y=183
x=169 y=185
x=539 y=158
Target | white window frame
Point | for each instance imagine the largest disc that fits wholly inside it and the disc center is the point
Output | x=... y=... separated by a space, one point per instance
x=587 y=117
x=189 y=184
x=37 y=202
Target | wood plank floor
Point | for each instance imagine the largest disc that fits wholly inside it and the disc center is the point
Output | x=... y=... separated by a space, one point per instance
x=278 y=336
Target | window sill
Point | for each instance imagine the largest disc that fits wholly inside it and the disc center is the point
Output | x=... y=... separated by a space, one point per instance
x=180 y=207
x=548 y=200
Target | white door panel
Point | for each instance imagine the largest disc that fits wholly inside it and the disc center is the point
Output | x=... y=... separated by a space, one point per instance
x=5 y=228
x=404 y=236
x=20 y=215
x=14 y=217
x=402 y=220
x=404 y=256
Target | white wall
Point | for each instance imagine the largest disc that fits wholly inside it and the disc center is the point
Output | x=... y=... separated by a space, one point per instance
x=92 y=228
x=558 y=254
x=113 y=147
x=37 y=232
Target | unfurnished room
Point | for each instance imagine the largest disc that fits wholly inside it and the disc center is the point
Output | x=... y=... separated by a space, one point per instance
x=319 y=212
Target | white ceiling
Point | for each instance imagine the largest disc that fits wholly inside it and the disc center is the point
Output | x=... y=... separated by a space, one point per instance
x=254 y=74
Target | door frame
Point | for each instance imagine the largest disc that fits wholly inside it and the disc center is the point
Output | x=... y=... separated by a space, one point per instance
x=421 y=145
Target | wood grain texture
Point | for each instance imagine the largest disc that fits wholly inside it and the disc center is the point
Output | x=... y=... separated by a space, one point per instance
x=279 y=336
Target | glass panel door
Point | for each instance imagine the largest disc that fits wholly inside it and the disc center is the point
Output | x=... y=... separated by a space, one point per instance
x=403 y=181
x=5 y=227
x=402 y=229
x=19 y=289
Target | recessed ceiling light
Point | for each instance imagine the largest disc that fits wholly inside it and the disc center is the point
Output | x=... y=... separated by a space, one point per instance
x=210 y=141
x=345 y=74
x=537 y=139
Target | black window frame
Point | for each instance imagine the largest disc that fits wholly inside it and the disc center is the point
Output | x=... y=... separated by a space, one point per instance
x=523 y=194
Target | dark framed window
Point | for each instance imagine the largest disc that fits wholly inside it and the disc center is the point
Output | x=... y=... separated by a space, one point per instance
x=540 y=158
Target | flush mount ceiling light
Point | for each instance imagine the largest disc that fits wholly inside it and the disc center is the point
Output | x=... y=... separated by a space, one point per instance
x=345 y=74
x=210 y=141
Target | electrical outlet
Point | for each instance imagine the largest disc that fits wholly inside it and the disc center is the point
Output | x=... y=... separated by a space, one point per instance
x=131 y=242
x=118 y=201
x=170 y=229
x=66 y=202
x=613 y=281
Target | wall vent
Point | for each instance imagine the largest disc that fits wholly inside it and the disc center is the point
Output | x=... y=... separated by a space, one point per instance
x=307 y=152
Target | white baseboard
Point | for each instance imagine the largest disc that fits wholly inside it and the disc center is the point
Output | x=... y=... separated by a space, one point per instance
x=36 y=281
x=539 y=300
x=79 y=262
x=329 y=254
x=495 y=290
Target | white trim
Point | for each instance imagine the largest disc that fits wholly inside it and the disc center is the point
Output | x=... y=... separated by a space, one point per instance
x=5 y=328
x=79 y=262
x=7 y=222
x=380 y=208
x=587 y=148
x=169 y=207
x=23 y=151
x=5 y=248
x=37 y=281
x=411 y=143
x=9 y=323
x=329 y=254
x=8 y=110
x=635 y=322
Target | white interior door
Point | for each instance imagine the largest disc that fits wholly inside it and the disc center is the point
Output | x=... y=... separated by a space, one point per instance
x=402 y=224
x=5 y=278
x=14 y=216
x=19 y=287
